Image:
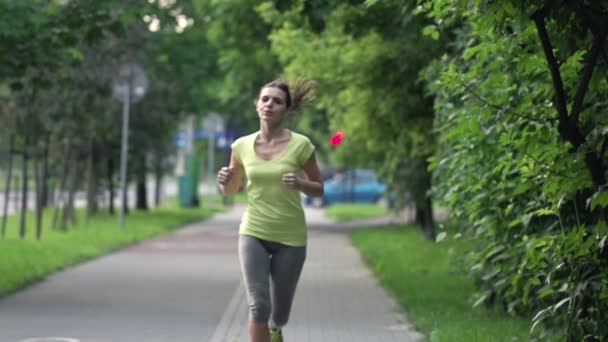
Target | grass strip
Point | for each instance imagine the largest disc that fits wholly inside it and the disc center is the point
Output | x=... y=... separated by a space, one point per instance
x=25 y=261
x=349 y=212
x=432 y=286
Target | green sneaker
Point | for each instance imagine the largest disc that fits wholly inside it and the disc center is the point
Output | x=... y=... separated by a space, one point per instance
x=276 y=335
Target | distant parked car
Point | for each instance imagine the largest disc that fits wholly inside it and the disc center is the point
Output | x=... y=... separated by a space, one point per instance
x=353 y=186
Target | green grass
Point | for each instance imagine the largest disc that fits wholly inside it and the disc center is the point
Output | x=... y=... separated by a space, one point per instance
x=431 y=286
x=23 y=262
x=348 y=212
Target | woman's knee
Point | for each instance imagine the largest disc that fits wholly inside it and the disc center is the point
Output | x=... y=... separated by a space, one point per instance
x=259 y=310
x=279 y=320
x=259 y=302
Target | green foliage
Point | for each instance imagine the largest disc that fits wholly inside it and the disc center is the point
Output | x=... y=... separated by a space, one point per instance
x=522 y=191
x=43 y=35
x=366 y=60
x=237 y=37
x=461 y=86
x=62 y=61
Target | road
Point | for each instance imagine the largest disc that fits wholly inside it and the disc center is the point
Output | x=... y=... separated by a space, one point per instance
x=186 y=287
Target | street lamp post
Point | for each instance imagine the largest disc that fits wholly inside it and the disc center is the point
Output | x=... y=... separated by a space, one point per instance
x=129 y=87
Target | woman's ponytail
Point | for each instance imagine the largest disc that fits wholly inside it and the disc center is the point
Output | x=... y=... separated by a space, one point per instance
x=302 y=92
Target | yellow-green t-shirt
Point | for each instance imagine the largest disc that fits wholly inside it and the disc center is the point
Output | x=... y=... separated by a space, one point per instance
x=274 y=212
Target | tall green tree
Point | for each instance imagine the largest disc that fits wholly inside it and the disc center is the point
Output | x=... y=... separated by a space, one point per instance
x=60 y=68
x=522 y=154
x=38 y=39
x=237 y=36
x=367 y=62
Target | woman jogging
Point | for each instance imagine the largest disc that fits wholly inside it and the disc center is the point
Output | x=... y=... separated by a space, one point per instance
x=279 y=164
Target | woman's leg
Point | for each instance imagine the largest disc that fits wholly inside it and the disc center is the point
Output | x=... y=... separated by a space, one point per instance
x=258 y=332
x=285 y=269
x=255 y=266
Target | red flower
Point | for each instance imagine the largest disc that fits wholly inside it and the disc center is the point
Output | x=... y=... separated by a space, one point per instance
x=337 y=138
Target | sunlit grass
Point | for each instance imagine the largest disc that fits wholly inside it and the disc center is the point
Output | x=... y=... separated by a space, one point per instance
x=432 y=287
x=348 y=212
x=23 y=261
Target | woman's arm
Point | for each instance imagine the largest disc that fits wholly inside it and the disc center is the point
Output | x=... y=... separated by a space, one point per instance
x=313 y=184
x=230 y=184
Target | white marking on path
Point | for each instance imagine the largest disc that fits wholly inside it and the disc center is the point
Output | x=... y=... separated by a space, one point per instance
x=51 y=339
x=231 y=316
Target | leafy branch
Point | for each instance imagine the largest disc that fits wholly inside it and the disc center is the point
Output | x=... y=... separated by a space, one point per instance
x=547 y=168
x=568 y=125
x=502 y=109
x=539 y=19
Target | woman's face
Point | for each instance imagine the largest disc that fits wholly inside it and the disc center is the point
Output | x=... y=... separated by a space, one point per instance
x=271 y=105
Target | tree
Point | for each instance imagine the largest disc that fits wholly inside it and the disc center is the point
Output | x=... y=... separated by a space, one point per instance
x=521 y=156
x=366 y=61
x=41 y=38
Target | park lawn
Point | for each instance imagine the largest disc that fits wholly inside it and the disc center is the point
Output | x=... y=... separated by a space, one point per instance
x=429 y=283
x=349 y=212
x=24 y=262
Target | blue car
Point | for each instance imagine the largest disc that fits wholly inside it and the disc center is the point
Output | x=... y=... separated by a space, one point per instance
x=353 y=186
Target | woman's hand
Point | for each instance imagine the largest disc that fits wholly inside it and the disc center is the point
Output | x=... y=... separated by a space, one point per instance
x=292 y=181
x=224 y=175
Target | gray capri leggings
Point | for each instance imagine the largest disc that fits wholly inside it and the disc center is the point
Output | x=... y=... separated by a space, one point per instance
x=271 y=271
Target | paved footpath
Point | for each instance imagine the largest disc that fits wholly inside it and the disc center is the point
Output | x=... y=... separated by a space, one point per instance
x=186 y=287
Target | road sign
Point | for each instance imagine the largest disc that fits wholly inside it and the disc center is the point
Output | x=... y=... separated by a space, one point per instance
x=132 y=75
x=181 y=139
x=213 y=123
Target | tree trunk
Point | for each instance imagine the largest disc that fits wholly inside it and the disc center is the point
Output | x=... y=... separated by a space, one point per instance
x=68 y=210
x=142 y=195
x=7 y=184
x=17 y=193
x=39 y=199
x=142 y=192
x=24 y=196
x=424 y=219
x=44 y=190
x=110 y=174
x=64 y=165
x=92 y=205
x=158 y=178
x=419 y=219
x=568 y=123
x=424 y=205
x=429 y=221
